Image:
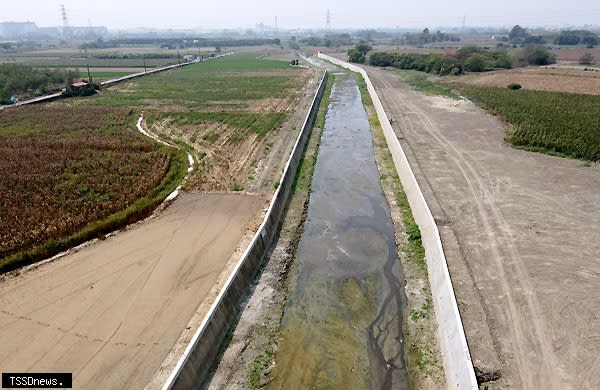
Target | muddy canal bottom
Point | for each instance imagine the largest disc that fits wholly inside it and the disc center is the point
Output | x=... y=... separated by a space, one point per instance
x=342 y=326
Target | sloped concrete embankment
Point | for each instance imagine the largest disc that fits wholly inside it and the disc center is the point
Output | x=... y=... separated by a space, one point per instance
x=457 y=359
x=200 y=354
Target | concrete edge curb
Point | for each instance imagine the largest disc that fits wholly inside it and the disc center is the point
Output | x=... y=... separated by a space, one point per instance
x=453 y=343
x=198 y=357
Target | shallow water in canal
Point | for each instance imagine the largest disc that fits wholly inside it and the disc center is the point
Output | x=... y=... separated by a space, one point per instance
x=342 y=325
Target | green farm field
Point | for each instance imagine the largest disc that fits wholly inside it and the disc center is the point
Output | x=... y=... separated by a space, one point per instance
x=223 y=108
x=77 y=168
x=558 y=123
x=107 y=75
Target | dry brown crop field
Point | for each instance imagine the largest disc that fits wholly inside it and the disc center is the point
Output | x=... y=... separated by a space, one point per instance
x=543 y=78
x=575 y=53
x=76 y=169
x=63 y=169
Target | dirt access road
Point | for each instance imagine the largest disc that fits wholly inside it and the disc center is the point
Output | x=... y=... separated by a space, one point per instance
x=521 y=232
x=111 y=312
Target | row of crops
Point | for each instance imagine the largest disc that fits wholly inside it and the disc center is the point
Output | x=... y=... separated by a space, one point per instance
x=555 y=122
x=63 y=169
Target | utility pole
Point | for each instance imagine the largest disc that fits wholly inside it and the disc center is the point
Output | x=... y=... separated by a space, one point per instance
x=178 y=57
x=144 y=64
x=65 y=21
x=328 y=20
x=89 y=74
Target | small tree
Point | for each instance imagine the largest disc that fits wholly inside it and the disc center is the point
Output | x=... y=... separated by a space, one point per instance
x=359 y=53
x=517 y=34
x=539 y=55
x=356 y=56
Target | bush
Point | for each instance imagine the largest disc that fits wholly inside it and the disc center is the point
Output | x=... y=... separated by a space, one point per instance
x=514 y=86
x=89 y=90
x=586 y=59
x=477 y=62
x=356 y=56
x=359 y=53
x=538 y=55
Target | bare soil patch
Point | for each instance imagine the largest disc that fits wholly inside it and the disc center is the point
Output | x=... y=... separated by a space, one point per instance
x=112 y=311
x=575 y=53
x=546 y=78
x=520 y=234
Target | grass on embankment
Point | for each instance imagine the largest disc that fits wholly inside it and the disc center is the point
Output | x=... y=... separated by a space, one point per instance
x=309 y=159
x=556 y=123
x=422 y=83
x=423 y=359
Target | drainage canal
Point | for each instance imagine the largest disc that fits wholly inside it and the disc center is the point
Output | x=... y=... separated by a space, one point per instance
x=342 y=326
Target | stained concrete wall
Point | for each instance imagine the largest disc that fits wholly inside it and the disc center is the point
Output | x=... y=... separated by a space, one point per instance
x=201 y=352
x=457 y=359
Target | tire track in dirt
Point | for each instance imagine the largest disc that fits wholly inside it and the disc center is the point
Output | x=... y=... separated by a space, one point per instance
x=529 y=336
x=111 y=311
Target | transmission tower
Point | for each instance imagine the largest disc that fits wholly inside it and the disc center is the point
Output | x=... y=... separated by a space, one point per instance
x=328 y=20
x=65 y=21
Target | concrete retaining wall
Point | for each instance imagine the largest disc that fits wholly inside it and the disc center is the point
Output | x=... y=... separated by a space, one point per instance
x=200 y=354
x=457 y=359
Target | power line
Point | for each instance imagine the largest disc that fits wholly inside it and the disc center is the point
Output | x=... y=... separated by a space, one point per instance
x=65 y=22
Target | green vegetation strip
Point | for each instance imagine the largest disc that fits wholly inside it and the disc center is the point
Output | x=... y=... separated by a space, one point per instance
x=421 y=82
x=23 y=80
x=109 y=75
x=138 y=210
x=307 y=165
x=417 y=252
x=557 y=123
x=258 y=123
x=226 y=84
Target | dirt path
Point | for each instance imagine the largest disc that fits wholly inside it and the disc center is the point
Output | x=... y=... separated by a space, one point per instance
x=111 y=312
x=520 y=231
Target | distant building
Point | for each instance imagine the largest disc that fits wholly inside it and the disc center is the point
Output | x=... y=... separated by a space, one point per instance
x=29 y=30
x=17 y=29
x=78 y=86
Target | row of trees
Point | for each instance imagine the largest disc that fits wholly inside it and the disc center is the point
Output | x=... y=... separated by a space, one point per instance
x=18 y=79
x=427 y=36
x=468 y=58
x=520 y=35
x=329 y=40
x=180 y=43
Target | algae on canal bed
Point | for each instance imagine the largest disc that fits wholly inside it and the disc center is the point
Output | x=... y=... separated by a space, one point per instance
x=342 y=326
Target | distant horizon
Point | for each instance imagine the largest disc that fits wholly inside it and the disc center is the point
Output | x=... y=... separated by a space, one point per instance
x=333 y=29
x=310 y=14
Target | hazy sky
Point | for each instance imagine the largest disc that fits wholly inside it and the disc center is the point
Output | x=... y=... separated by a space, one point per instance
x=303 y=13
